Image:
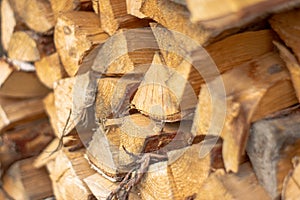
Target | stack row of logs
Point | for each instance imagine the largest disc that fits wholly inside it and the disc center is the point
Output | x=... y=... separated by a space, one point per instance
x=86 y=114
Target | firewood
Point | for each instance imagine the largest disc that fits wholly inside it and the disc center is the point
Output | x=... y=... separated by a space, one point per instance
x=175 y=17
x=14 y=111
x=37 y=14
x=18 y=83
x=23 y=181
x=274 y=92
x=101 y=187
x=159 y=95
x=8 y=23
x=285 y=24
x=49 y=105
x=291 y=183
x=23 y=47
x=113 y=15
x=233 y=13
x=125 y=137
x=76 y=33
x=67 y=173
x=122 y=54
x=28 y=46
x=63 y=102
x=272 y=145
x=179 y=178
x=113 y=97
x=61 y=6
x=26 y=141
x=292 y=65
x=242 y=185
x=49 y=70
x=133 y=8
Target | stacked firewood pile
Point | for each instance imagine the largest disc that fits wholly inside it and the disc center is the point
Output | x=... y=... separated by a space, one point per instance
x=150 y=99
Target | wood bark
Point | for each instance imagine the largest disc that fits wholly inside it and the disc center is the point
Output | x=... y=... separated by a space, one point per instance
x=267 y=76
x=26 y=141
x=272 y=145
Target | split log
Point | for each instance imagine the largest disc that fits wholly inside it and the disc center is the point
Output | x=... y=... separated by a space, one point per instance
x=159 y=95
x=18 y=83
x=14 y=111
x=63 y=102
x=28 y=46
x=76 y=33
x=113 y=15
x=23 y=181
x=272 y=145
x=111 y=150
x=113 y=97
x=61 y=6
x=67 y=172
x=286 y=26
x=23 y=47
x=49 y=69
x=102 y=187
x=242 y=185
x=49 y=105
x=133 y=8
x=268 y=77
x=36 y=14
x=233 y=13
x=290 y=188
x=175 y=17
x=26 y=141
x=292 y=65
x=179 y=178
x=8 y=23
x=122 y=54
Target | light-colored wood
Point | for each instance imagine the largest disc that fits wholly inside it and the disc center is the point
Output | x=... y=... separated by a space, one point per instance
x=23 y=181
x=113 y=97
x=49 y=69
x=272 y=144
x=16 y=83
x=175 y=17
x=76 y=33
x=220 y=15
x=248 y=89
x=113 y=15
x=286 y=26
x=242 y=185
x=63 y=102
x=133 y=8
x=22 y=46
x=159 y=95
x=61 y=6
x=67 y=172
x=14 y=111
x=36 y=14
x=291 y=190
x=292 y=65
x=8 y=23
x=181 y=177
x=49 y=105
